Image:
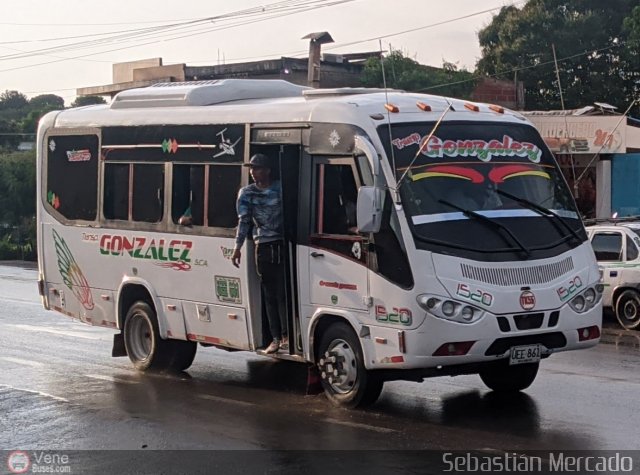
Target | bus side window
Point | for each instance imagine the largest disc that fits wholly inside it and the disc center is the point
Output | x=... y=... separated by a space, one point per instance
x=339 y=197
x=72 y=176
x=148 y=193
x=391 y=257
x=116 y=191
x=224 y=184
x=188 y=193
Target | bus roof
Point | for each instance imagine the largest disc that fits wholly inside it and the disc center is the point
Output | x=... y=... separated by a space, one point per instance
x=273 y=101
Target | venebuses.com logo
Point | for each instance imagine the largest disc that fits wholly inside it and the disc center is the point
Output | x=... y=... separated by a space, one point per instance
x=18 y=462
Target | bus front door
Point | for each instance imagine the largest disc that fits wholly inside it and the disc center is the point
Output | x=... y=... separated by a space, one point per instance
x=338 y=274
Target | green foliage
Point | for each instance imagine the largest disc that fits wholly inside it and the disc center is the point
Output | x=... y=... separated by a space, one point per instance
x=19 y=116
x=13 y=100
x=18 y=243
x=522 y=39
x=17 y=205
x=405 y=73
x=8 y=127
x=631 y=25
x=17 y=187
x=87 y=101
x=46 y=101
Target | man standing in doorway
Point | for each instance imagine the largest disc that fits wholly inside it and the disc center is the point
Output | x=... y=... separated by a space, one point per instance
x=260 y=204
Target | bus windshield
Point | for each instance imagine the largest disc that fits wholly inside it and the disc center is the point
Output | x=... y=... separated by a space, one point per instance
x=485 y=190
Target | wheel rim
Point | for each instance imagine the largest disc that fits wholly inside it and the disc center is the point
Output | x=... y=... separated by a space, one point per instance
x=630 y=311
x=339 y=367
x=140 y=337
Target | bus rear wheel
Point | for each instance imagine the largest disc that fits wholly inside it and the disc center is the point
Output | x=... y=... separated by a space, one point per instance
x=146 y=350
x=345 y=380
x=503 y=378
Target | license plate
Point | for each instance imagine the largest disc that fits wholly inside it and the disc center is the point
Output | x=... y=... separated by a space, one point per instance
x=524 y=354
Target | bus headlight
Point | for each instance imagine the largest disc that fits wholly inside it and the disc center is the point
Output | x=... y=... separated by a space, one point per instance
x=448 y=309
x=467 y=313
x=587 y=299
x=579 y=304
x=590 y=295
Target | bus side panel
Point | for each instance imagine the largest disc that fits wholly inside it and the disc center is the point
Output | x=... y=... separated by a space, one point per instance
x=217 y=325
x=68 y=268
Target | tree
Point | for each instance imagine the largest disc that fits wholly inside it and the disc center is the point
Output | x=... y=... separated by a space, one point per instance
x=87 y=101
x=13 y=100
x=17 y=187
x=9 y=133
x=46 y=101
x=17 y=205
x=597 y=58
x=405 y=73
x=39 y=106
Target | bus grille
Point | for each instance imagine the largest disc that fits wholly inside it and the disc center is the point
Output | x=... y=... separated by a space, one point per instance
x=518 y=275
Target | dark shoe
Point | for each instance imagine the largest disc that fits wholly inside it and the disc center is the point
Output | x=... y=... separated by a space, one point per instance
x=273 y=347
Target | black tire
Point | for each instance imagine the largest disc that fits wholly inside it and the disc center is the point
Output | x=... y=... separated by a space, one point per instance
x=503 y=378
x=345 y=380
x=146 y=350
x=628 y=309
x=183 y=353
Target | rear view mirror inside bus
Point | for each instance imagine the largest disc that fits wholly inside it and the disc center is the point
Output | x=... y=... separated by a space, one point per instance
x=369 y=212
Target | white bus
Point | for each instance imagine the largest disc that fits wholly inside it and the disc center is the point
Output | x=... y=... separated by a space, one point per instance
x=469 y=255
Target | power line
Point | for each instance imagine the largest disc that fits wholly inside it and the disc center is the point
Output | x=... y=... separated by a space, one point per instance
x=275 y=7
x=351 y=43
x=301 y=7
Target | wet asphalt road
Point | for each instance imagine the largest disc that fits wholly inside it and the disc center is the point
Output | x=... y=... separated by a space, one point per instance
x=61 y=390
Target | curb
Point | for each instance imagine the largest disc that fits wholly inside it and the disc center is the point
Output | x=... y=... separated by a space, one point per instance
x=24 y=264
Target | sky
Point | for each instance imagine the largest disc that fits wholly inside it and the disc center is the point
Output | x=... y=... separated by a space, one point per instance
x=242 y=30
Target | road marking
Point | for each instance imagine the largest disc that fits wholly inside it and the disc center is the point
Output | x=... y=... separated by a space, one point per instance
x=360 y=426
x=32 y=328
x=225 y=400
x=39 y=393
x=111 y=379
x=11 y=359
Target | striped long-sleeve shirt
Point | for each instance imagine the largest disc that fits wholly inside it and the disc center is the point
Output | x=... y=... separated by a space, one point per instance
x=263 y=208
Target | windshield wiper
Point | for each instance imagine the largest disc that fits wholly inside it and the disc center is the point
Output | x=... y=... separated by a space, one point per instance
x=490 y=222
x=547 y=213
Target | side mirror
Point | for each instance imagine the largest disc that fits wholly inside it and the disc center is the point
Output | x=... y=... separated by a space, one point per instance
x=369 y=209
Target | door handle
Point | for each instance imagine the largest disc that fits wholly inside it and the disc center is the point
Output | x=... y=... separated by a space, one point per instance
x=317 y=254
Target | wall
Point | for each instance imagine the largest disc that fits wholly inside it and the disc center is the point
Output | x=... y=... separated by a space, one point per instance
x=625 y=184
x=496 y=91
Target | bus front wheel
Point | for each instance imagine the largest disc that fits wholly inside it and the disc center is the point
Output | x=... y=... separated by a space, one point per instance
x=146 y=350
x=501 y=377
x=345 y=380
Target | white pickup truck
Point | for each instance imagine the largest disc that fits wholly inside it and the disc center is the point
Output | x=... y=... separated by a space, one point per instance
x=616 y=243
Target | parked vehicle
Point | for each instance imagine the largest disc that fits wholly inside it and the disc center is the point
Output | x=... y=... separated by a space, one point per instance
x=616 y=243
